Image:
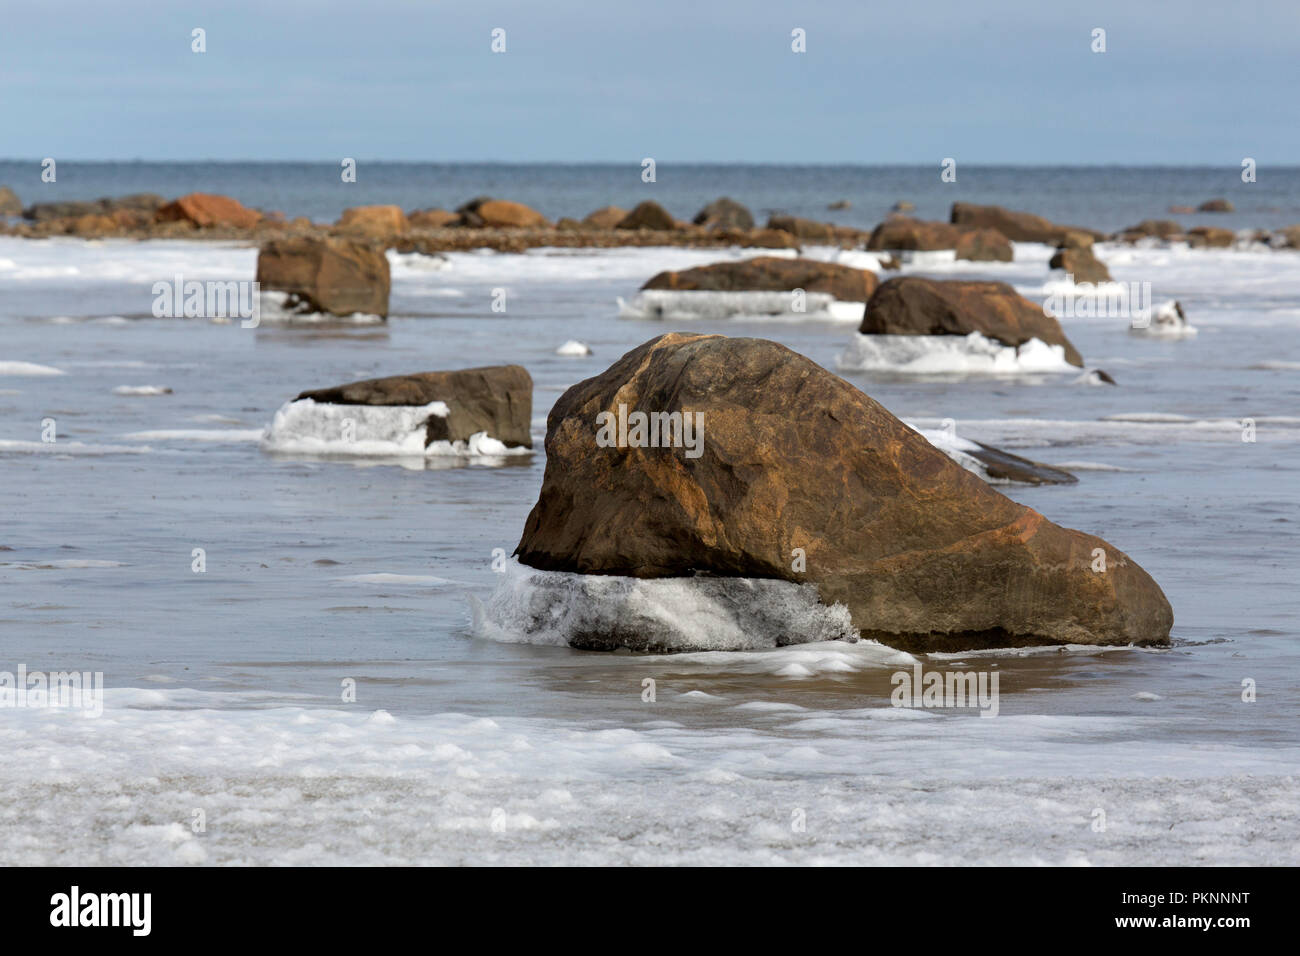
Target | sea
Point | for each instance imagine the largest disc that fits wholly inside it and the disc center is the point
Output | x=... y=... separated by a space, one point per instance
x=294 y=659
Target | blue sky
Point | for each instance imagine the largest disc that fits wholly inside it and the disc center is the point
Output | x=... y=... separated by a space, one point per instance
x=1191 y=82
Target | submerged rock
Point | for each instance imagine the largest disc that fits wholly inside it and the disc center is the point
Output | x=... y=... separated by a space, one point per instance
x=1215 y=205
x=910 y=305
x=798 y=476
x=496 y=399
x=332 y=275
x=772 y=274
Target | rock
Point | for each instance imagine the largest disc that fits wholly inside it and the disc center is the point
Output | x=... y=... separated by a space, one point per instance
x=724 y=213
x=925 y=555
x=648 y=215
x=1181 y=210
x=1016 y=226
x=840 y=204
x=9 y=203
x=1215 y=205
x=503 y=214
x=984 y=245
x=1290 y=236
x=75 y=209
x=139 y=202
x=1080 y=263
x=762 y=238
x=772 y=274
x=333 y=275
x=902 y=206
x=1077 y=240
x=1157 y=228
x=92 y=226
x=497 y=399
x=808 y=230
x=910 y=305
x=206 y=210
x=605 y=218
x=432 y=219
x=911 y=235
x=377 y=222
x=568 y=224
x=1212 y=237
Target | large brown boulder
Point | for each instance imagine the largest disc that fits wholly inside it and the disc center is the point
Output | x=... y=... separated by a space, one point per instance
x=607 y=217
x=924 y=554
x=1159 y=228
x=913 y=235
x=377 y=222
x=1016 y=226
x=984 y=245
x=10 y=205
x=334 y=275
x=773 y=274
x=724 y=213
x=206 y=210
x=1212 y=237
x=910 y=305
x=1081 y=263
x=1215 y=205
x=497 y=399
x=503 y=214
x=432 y=219
x=648 y=215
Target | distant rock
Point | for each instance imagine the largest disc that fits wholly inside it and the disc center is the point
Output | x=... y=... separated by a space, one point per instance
x=1016 y=226
x=724 y=213
x=902 y=206
x=606 y=217
x=1212 y=237
x=503 y=214
x=809 y=230
x=772 y=274
x=1215 y=205
x=984 y=245
x=432 y=219
x=1181 y=210
x=10 y=205
x=496 y=399
x=568 y=224
x=1158 y=228
x=648 y=215
x=1290 y=237
x=910 y=305
x=840 y=204
x=924 y=555
x=331 y=275
x=376 y=222
x=206 y=210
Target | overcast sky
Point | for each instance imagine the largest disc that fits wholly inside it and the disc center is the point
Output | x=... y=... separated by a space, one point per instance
x=1190 y=82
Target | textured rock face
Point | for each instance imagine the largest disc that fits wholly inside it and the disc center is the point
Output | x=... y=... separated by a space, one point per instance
x=497 y=399
x=913 y=235
x=807 y=229
x=374 y=221
x=773 y=274
x=1080 y=263
x=205 y=209
x=10 y=205
x=984 y=245
x=338 y=276
x=924 y=554
x=648 y=215
x=911 y=305
x=1213 y=237
x=1016 y=226
x=725 y=212
x=432 y=219
x=607 y=217
x=503 y=214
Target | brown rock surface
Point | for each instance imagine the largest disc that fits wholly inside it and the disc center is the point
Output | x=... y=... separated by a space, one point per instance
x=1080 y=263
x=606 y=217
x=334 y=275
x=725 y=213
x=1016 y=226
x=206 y=209
x=1212 y=237
x=432 y=219
x=911 y=235
x=910 y=305
x=497 y=399
x=648 y=215
x=984 y=245
x=925 y=555
x=375 y=221
x=773 y=274
x=504 y=214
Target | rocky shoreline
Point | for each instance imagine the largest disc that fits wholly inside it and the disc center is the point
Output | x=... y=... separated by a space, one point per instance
x=977 y=233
